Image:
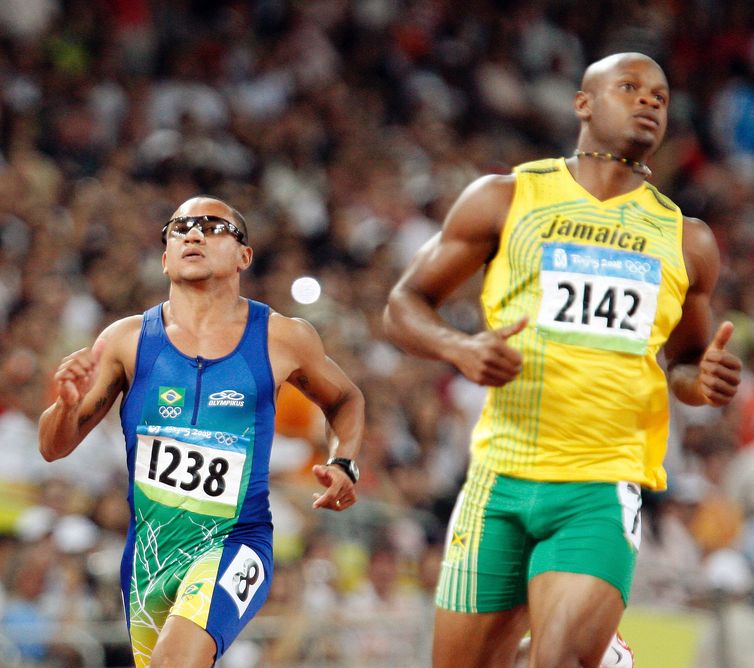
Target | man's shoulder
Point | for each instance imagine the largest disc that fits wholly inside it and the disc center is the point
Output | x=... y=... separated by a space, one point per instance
x=292 y=341
x=490 y=191
x=283 y=327
x=125 y=326
x=697 y=231
x=122 y=336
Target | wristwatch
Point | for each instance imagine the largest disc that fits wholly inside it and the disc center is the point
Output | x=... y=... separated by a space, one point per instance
x=348 y=465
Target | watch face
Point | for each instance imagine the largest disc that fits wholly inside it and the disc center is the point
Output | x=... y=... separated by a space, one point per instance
x=354 y=469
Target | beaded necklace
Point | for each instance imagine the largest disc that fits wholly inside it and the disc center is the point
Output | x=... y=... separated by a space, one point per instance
x=637 y=166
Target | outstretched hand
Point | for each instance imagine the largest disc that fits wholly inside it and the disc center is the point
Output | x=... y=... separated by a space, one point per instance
x=77 y=373
x=340 y=492
x=719 y=369
x=487 y=359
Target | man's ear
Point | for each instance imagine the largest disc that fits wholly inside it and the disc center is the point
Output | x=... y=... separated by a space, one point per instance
x=582 y=105
x=164 y=262
x=247 y=255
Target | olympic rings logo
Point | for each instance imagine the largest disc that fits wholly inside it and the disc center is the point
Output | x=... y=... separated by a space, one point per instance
x=170 y=411
x=638 y=267
x=225 y=439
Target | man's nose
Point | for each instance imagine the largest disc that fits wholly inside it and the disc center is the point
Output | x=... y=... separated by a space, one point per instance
x=194 y=234
x=649 y=100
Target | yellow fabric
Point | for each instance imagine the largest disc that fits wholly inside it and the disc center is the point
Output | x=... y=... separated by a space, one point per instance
x=192 y=601
x=194 y=596
x=591 y=401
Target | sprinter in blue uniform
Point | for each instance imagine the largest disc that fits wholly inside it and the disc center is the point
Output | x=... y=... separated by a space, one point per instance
x=199 y=375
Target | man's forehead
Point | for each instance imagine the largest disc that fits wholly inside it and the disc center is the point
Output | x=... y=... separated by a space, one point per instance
x=200 y=206
x=621 y=65
x=639 y=68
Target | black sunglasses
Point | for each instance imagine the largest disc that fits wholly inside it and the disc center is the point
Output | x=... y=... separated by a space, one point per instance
x=180 y=227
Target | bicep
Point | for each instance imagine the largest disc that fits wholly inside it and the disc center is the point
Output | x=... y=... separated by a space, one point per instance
x=318 y=376
x=469 y=237
x=442 y=265
x=119 y=342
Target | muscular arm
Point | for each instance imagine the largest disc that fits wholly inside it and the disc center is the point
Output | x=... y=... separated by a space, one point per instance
x=700 y=370
x=297 y=352
x=88 y=382
x=469 y=237
x=325 y=383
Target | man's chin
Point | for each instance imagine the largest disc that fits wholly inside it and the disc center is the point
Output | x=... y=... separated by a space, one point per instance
x=193 y=276
x=644 y=145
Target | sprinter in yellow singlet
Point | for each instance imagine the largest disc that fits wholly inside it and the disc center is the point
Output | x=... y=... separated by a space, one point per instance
x=589 y=273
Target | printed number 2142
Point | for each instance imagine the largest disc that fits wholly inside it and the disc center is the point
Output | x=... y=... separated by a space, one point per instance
x=615 y=305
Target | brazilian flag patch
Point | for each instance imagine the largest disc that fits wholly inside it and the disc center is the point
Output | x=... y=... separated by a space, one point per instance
x=193 y=589
x=171 y=396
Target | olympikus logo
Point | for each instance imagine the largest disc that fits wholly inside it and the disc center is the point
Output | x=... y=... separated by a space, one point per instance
x=226 y=398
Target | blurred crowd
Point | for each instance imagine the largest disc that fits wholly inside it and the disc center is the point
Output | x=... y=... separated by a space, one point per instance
x=342 y=130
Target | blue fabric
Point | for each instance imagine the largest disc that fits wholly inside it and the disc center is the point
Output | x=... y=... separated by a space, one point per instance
x=210 y=410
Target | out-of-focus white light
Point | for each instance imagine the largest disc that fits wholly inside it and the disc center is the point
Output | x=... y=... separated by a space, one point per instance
x=306 y=290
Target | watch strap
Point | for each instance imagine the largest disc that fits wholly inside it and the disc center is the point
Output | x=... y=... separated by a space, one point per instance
x=345 y=464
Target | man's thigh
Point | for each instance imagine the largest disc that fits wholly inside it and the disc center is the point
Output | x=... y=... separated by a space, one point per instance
x=224 y=590
x=588 y=528
x=486 y=550
x=216 y=596
x=478 y=640
x=581 y=569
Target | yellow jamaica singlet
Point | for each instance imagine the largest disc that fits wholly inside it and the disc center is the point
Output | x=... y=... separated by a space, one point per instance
x=603 y=284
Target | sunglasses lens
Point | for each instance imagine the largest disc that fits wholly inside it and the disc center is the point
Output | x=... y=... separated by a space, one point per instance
x=180 y=227
x=215 y=228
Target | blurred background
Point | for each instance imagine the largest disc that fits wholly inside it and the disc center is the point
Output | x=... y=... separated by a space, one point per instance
x=343 y=130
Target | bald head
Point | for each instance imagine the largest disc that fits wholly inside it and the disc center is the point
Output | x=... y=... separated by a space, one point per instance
x=623 y=106
x=213 y=206
x=597 y=71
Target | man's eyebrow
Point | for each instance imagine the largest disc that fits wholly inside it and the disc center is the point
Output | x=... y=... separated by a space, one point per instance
x=634 y=76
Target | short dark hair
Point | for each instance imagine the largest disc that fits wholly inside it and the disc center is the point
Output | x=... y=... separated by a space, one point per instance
x=235 y=214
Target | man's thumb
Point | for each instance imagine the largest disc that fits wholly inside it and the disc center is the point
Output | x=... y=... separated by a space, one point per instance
x=320 y=471
x=515 y=328
x=722 y=336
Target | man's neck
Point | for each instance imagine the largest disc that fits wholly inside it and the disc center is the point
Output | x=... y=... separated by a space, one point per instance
x=195 y=309
x=604 y=179
x=637 y=166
